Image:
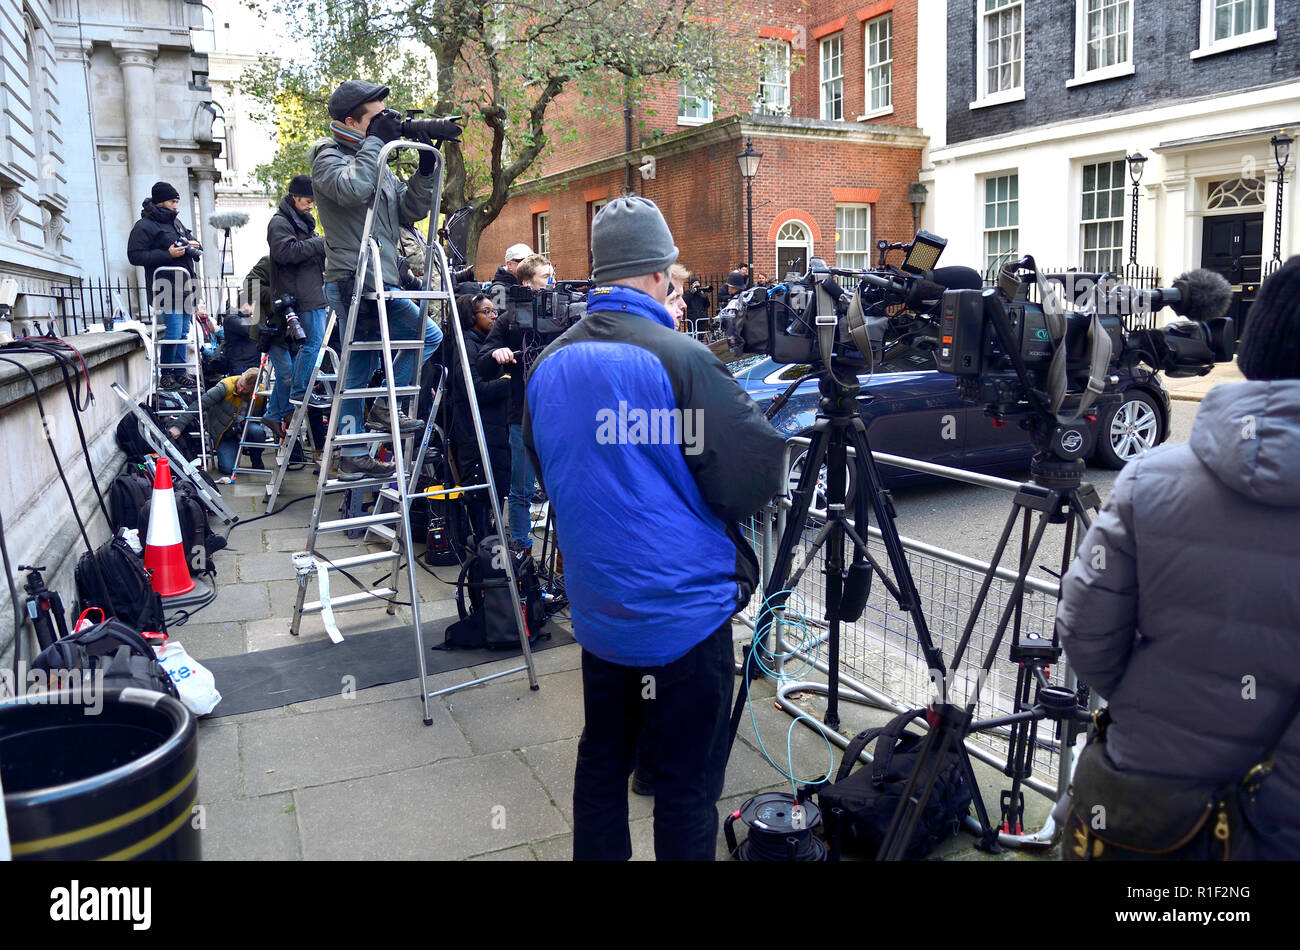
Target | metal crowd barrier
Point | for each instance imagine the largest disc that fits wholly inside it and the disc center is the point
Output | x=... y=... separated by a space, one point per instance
x=880 y=657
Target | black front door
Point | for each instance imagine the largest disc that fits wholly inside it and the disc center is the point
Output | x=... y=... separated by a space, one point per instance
x=1233 y=245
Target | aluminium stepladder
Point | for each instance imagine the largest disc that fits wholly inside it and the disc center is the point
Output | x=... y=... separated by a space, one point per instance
x=163 y=445
x=261 y=390
x=293 y=434
x=401 y=553
x=161 y=291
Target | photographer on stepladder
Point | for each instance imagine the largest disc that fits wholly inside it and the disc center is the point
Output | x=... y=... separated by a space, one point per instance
x=655 y=564
x=508 y=350
x=345 y=176
x=297 y=266
x=159 y=239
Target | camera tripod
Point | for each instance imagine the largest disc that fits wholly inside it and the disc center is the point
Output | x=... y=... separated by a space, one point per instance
x=1056 y=491
x=839 y=427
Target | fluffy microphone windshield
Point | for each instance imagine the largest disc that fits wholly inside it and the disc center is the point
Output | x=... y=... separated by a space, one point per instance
x=228 y=220
x=1206 y=295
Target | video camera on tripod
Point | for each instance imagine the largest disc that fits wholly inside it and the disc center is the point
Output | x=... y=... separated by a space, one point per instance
x=812 y=318
x=547 y=313
x=1039 y=362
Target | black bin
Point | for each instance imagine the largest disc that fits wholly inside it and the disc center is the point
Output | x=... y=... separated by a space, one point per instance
x=119 y=784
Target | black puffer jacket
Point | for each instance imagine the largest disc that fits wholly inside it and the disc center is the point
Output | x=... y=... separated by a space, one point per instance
x=505 y=332
x=156 y=231
x=297 y=257
x=493 y=397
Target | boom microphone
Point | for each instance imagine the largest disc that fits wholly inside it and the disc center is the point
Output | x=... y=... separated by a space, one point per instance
x=228 y=220
x=1200 y=295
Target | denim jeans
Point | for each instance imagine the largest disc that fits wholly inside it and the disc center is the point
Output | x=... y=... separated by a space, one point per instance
x=228 y=447
x=175 y=327
x=313 y=324
x=277 y=404
x=521 y=488
x=403 y=324
x=676 y=715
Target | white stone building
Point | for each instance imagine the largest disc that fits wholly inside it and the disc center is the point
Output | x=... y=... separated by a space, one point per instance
x=99 y=99
x=1032 y=115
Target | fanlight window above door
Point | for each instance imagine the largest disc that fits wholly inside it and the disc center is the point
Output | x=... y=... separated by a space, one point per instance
x=1235 y=193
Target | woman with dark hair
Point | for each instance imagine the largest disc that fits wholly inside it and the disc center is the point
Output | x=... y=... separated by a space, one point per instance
x=477 y=315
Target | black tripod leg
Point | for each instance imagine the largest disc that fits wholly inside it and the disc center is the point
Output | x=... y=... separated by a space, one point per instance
x=836 y=462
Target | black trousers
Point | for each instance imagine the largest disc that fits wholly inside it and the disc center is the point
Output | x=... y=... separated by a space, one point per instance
x=677 y=717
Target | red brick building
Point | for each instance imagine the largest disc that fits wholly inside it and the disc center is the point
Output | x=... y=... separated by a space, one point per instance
x=835 y=124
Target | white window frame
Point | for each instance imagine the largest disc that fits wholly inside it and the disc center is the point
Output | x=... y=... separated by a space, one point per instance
x=1210 y=46
x=782 y=48
x=985 y=230
x=823 y=57
x=542 y=233
x=984 y=98
x=685 y=95
x=808 y=246
x=886 y=64
x=1125 y=191
x=865 y=251
x=595 y=210
x=1082 y=74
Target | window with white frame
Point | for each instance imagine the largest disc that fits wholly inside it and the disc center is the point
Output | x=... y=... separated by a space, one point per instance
x=1102 y=216
x=880 y=63
x=1001 y=219
x=1228 y=24
x=1000 y=52
x=542 y=233
x=853 y=236
x=1105 y=39
x=773 y=78
x=832 y=66
x=694 y=107
x=593 y=209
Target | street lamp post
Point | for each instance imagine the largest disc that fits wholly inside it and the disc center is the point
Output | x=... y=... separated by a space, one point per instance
x=1135 y=163
x=748 y=161
x=1281 y=155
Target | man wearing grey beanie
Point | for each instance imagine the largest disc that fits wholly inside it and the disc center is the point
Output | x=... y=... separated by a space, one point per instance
x=651 y=454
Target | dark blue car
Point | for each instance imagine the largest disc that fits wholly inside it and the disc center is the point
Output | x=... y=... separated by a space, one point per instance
x=913 y=410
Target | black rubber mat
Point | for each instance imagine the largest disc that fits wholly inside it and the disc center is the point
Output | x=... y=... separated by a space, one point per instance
x=305 y=671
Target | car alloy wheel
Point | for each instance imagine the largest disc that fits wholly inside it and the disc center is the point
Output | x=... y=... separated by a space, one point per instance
x=1134 y=428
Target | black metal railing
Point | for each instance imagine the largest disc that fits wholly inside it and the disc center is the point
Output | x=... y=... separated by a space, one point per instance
x=101 y=304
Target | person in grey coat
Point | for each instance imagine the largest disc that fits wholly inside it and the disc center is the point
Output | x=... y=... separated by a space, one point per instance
x=1183 y=606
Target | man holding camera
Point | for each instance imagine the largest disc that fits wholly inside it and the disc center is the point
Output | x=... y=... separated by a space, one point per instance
x=157 y=240
x=654 y=560
x=297 y=287
x=506 y=341
x=697 y=303
x=345 y=176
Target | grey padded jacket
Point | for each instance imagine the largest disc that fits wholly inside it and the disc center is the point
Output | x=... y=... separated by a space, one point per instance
x=1183 y=606
x=343 y=181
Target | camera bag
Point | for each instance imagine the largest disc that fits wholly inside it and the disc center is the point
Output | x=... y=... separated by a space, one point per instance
x=858 y=806
x=489 y=619
x=123 y=655
x=127 y=498
x=113 y=578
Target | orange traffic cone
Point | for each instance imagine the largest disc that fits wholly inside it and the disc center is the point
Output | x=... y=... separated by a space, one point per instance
x=164 y=552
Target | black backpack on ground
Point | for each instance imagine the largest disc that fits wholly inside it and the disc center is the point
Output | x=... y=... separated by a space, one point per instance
x=483 y=600
x=124 y=656
x=858 y=806
x=128 y=496
x=132 y=442
x=113 y=579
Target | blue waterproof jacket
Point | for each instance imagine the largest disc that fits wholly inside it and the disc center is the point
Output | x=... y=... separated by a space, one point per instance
x=651 y=453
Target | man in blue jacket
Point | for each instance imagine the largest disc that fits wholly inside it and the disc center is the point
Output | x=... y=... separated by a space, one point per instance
x=651 y=454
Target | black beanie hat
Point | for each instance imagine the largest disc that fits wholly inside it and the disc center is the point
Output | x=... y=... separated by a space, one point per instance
x=1270 y=347
x=163 y=192
x=300 y=186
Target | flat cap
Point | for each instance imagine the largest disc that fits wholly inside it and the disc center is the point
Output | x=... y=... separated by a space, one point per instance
x=352 y=93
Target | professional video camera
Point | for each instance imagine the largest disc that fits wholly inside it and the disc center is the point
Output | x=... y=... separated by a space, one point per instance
x=1024 y=358
x=792 y=322
x=549 y=312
